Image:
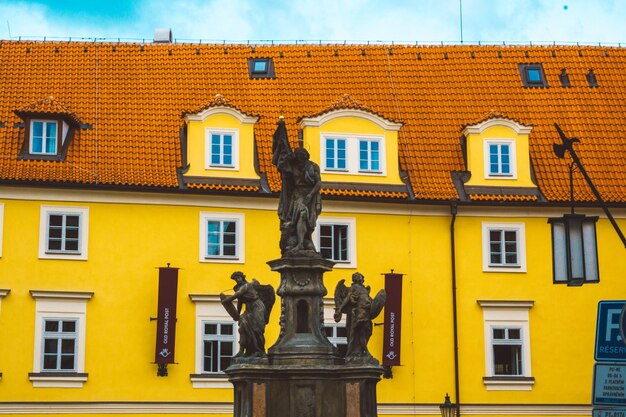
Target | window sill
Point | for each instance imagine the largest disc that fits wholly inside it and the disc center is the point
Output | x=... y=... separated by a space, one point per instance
x=506 y=268
x=57 y=379
x=65 y=256
x=210 y=381
x=509 y=383
x=224 y=259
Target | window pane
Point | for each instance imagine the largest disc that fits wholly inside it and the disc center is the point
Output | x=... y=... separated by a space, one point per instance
x=226 y=349
x=210 y=328
x=51 y=326
x=507 y=359
x=341 y=331
x=69 y=326
x=55 y=220
x=72 y=221
x=37 y=129
x=51 y=130
x=54 y=244
x=260 y=66
x=50 y=346
x=67 y=362
x=227 y=329
x=533 y=75
x=67 y=346
x=328 y=331
x=49 y=362
x=514 y=334
x=499 y=333
x=71 y=245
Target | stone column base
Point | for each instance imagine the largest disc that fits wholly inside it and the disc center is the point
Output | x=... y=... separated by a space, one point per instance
x=304 y=391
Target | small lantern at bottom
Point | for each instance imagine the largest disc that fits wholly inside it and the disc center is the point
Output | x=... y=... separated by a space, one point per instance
x=574 y=249
x=447 y=408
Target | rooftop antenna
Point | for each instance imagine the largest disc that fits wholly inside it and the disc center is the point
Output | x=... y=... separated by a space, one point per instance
x=461 y=18
x=9 y=27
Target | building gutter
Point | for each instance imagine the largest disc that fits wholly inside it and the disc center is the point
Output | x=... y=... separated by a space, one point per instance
x=453 y=212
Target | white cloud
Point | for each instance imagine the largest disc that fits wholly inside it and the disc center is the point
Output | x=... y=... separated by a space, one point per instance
x=333 y=20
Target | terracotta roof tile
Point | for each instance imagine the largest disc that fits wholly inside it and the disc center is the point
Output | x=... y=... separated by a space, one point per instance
x=133 y=96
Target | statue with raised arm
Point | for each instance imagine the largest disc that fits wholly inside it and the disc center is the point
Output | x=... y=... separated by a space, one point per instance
x=258 y=300
x=360 y=309
x=300 y=203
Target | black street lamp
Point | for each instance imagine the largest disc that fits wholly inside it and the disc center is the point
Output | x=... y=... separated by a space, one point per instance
x=574 y=244
x=447 y=409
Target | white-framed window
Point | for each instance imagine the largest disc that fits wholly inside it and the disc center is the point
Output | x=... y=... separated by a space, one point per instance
x=500 y=158
x=63 y=232
x=335 y=154
x=218 y=345
x=44 y=137
x=336 y=240
x=335 y=332
x=507 y=345
x=504 y=247
x=60 y=342
x=221 y=237
x=60 y=328
x=353 y=154
x=369 y=155
x=221 y=149
x=216 y=342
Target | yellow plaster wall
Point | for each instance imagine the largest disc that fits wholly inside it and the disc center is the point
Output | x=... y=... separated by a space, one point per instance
x=356 y=126
x=476 y=160
x=196 y=147
x=128 y=241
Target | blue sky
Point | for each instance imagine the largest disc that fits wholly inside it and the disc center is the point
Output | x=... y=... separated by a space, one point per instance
x=424 y=21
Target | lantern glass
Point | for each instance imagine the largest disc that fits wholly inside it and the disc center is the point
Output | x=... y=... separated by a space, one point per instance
x=574 y=249
x=447 y=408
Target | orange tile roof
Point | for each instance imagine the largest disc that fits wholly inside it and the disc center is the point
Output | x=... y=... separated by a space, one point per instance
x=133 y=96
x=223 y=187
x=347 y=102
x=49 y=106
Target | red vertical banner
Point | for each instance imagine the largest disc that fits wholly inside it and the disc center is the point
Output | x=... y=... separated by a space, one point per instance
x=166 y=316
x=393 y=317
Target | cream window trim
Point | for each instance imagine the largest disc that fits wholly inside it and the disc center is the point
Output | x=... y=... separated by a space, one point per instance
x=381 y=122
x=520 y=230
x=83 y=245
x=507 y=314
x=209 y=308
x=512 y=159
x=353 y=154
x=3 y=293
x=59 y=305
x=212 y=111
x=240 y=243
x=351 y=223
x=479 y=128
x=208 y=134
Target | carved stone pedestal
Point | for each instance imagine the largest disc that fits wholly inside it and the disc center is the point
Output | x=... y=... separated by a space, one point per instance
x=303 y=375
x=304 y=391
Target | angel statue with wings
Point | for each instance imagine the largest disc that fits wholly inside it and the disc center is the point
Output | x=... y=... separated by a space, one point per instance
x=259 y=300
x=360 y=309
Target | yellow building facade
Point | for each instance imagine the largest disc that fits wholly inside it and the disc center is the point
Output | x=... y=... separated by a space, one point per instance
x=483 y=317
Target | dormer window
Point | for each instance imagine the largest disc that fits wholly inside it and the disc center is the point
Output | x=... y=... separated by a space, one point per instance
x=222 y=148
x=352 y=154
x=49 y=128
x=369 y=155
x=533 y=75
x=261 y=68
x=335 y=154
x=44 y=137
x=500 y=157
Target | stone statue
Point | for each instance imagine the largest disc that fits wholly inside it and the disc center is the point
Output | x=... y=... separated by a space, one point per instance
x=259 y=300
x=300 y=203
x=360 y=309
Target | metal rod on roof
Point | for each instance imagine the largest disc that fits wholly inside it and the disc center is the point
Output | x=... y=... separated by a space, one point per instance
x=567 y=145
x=461 y=18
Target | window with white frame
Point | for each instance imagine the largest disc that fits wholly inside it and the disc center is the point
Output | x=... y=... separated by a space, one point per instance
x=504 y=247
x=64 y=232
x=335 y=154
x=216 y=342
x=500 y=159
x=335 y=332
x=44 y=137
x=60 y=341
x=507 y=344
x=353 y=154
x=336 y=240
x=369 y=155
x=60 y=327
x=221 y=237
x=221 y=149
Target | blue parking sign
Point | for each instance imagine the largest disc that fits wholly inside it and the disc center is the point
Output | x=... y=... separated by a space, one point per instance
x=610 y=344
